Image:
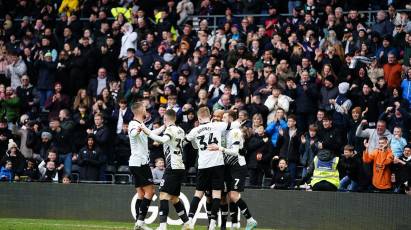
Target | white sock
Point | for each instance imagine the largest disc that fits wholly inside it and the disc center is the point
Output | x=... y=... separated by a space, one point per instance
x=250 y=219
x=163 y=225
x=140 y=222
x=191 y=222
x=213 y=224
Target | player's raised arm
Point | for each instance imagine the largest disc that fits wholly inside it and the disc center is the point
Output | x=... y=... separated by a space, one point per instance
x=153 y=134
x=158 y=131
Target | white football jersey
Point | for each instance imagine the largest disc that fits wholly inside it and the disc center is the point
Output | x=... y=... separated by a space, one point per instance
x=234 y=137
x=138 y=144
x=202 y=136
x=173 y=150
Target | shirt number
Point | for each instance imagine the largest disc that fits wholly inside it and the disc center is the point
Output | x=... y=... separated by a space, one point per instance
x=211 y=140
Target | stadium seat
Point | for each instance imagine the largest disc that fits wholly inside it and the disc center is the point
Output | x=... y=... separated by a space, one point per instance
x=109 y=173
x=123 y=175
x=75 y=173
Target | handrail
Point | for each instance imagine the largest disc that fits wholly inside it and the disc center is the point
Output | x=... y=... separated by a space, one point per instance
x=216 y=17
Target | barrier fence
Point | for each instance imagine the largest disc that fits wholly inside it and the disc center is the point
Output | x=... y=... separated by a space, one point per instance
x=272 y=208
x=214 y=21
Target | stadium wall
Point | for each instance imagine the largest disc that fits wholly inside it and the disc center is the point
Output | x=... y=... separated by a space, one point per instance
x=273 y=209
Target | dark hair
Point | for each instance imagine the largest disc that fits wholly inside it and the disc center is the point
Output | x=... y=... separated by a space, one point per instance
x=171 y=114
x=349 y=147
x=52 y=150
x=293 y=117
x=383 y=138
x=232 y=114
x=122 y=101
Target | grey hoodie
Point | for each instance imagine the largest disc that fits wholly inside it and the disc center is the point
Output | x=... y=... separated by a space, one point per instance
x=372 y=136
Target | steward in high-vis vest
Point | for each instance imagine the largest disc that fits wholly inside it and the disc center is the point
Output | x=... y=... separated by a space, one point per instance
x=324 y=171
x=126 y=12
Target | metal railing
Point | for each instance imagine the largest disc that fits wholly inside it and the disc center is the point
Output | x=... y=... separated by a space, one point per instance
x=213 y=20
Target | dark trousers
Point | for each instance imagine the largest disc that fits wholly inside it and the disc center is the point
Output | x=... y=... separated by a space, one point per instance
x=304 y=120
x=256 y=175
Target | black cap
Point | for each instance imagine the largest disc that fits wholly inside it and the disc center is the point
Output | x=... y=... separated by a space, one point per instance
x=330 y=78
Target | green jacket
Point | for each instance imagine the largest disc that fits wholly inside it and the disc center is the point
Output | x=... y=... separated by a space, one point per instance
x=11 y=108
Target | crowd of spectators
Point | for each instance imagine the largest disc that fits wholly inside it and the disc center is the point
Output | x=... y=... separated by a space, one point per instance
x=317 y=87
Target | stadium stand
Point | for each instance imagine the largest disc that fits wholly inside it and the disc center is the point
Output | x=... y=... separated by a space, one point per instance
x=319 y=84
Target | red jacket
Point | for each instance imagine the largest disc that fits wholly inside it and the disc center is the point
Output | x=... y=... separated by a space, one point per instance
x=392 y=75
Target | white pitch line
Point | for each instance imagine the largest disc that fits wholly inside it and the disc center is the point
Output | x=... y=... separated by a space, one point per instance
x=67 y=225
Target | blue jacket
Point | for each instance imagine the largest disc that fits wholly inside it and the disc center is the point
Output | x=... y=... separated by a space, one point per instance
x=273 y=130
x=46 y=74
x=397 y=146
x=7 y=174
x=406 y=90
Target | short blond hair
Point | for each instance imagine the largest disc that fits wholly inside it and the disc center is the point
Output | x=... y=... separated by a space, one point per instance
x=203 y=112
x=137 y=106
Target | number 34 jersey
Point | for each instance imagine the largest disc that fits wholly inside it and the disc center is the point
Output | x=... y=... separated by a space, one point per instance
x=204 y=135
x=173 y=148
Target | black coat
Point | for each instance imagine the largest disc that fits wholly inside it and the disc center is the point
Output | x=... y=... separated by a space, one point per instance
x=281 y=179
x=80 y=130
x=78 y=77
x=46 y=75
x=42 y=148
x=351 y=167
x=17 y=161
x=308 y=151
x=306 y=99
x=331 y=140
x=289 y=147
x=127 y=117
x=4 y=143
x=102 y=136
x=122 y=148
x=63 y=141
x=93 y=84
x=63 y=74
x=402 y=172
x=27 y=95
x=258 y=145
x=357 y=142
x=367 y=101
x=90 y=161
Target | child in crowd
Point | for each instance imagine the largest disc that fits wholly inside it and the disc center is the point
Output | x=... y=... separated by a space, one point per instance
x=158 y=171
x=351 y=166
x=6 y=173
x=397 y=142
x=281 y=178
x=50 y=171
x=308 y=148
x=66 y=180
x=382 y=158
x=402 y=170
x=31 y=172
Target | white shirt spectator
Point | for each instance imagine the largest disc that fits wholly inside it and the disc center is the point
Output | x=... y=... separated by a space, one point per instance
x=129 y=40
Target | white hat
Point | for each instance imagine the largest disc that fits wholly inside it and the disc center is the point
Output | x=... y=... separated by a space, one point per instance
x=168 y=57
x=343 y=87
x=12 y=144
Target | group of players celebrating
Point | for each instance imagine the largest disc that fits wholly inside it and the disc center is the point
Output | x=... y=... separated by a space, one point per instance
x=221 y=168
